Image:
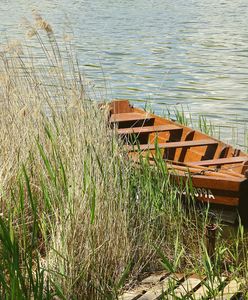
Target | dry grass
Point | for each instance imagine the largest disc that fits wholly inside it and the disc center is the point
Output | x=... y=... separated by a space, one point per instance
x=66 y=191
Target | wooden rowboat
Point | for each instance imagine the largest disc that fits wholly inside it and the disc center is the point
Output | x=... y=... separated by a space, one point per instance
x=218 y=171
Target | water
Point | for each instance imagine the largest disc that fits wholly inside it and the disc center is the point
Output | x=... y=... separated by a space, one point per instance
x=169 y=53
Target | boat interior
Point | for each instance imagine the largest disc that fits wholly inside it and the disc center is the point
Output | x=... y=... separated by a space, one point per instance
x=144 y=133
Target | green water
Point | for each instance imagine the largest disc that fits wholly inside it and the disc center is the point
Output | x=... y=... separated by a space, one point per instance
x=170 y=53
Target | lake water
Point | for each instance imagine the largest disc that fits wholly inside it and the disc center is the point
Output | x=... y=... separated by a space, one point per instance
x=169 y=53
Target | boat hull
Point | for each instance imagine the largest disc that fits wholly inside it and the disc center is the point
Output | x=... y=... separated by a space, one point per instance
x=216 y=172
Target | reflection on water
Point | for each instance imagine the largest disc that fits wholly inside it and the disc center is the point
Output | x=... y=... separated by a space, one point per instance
x=191 y=52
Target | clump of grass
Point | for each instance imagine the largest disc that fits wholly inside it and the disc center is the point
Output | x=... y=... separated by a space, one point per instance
x=77 y=219
x=61 y=179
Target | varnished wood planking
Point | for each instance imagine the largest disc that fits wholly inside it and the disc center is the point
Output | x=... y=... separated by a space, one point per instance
x=120 y=106
x=221 y=161
x=125 y=117
x=169 y=145
x=148 y=129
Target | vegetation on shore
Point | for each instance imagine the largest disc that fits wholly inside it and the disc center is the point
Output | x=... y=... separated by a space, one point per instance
x=78 y=220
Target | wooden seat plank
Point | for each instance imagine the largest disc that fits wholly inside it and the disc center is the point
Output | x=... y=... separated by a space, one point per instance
x=125 y=117
x=143 y=287
x=163 y=285
x=186 y=287
x=148 y=129
x=171 y=145
x=220 y=161
x=209 y=287
x=229 y=291
x=158 y=290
